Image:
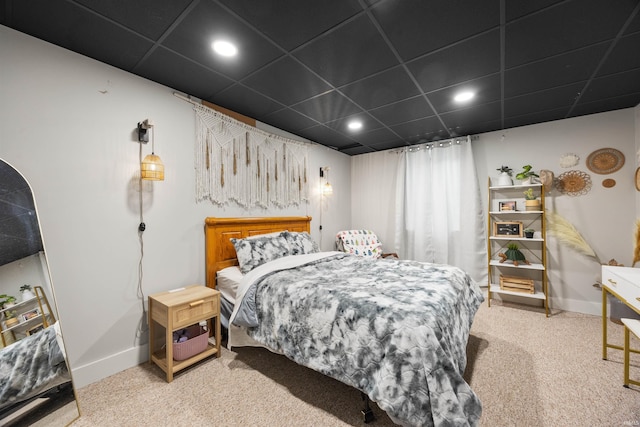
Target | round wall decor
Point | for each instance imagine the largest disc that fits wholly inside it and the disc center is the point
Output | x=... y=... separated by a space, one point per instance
x=573 y=183
x=638 y=179
x=605 y=160
x=608 y=183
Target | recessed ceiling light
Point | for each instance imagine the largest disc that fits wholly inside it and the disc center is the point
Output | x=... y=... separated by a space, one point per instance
x=355 y=125
x=464 y=96
x=224 y=48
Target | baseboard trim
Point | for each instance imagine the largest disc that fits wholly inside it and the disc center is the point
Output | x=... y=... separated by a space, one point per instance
x=100 y=369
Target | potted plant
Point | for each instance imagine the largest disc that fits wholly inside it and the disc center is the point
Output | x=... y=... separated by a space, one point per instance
x=505 y=176
x=10 y=318
x=528 y=233
x=26 y=292
x=531 y=202
x=7 y=301
x=527 y=175
x=513 y=254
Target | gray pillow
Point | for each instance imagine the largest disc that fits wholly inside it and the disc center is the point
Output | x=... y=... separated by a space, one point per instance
x=300 y=243
x=257 y=250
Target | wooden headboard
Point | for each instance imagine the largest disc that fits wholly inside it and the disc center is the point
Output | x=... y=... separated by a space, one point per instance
x=220 y=253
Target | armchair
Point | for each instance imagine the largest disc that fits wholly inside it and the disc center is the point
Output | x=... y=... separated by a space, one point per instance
x=362 y=243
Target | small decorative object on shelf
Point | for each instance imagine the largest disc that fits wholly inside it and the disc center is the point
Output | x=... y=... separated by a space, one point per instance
x=528 y=233
x=513 y=254
x=505 y=176
x=26 y=292
x=7 y=301
x=527 y=175
x=531 y=202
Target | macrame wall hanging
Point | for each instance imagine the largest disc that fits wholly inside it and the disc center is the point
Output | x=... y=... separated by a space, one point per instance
x=237 y=163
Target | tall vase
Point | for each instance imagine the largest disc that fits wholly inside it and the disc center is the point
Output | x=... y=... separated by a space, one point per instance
x=504 y=179
x=27 y=295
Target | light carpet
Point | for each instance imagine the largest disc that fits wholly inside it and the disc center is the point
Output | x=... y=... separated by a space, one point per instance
x=527 y=369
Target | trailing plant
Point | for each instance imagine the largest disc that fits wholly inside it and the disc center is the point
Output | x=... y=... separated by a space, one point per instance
x=6 y=299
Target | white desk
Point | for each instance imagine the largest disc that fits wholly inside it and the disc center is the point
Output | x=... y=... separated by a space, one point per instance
x=624 y=284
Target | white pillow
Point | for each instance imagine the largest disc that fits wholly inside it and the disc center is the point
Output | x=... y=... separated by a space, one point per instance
x=227 y=281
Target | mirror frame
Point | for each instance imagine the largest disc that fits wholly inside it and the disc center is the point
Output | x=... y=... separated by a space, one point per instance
x=42 y=406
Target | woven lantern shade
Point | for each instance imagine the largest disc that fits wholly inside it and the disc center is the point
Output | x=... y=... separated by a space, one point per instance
x=152 y=168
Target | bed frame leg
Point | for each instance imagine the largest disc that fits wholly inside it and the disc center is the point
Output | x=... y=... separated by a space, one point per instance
x=367 y=413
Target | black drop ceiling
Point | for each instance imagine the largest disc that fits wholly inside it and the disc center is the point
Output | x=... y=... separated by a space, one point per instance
x=309 y=66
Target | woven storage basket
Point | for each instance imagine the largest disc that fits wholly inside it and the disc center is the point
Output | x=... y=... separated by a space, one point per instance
x=197 y=343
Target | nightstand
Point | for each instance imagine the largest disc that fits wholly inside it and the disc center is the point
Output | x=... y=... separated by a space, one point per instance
x=177 y=309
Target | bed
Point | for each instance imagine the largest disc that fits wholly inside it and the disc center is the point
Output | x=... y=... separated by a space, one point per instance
x=32 y=366
x=394 y=329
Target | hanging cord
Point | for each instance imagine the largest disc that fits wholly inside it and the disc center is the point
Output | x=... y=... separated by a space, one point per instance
x=143 y=327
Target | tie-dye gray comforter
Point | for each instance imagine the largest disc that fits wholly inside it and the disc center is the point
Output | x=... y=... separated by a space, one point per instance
x=31 y=366
x=396 y=330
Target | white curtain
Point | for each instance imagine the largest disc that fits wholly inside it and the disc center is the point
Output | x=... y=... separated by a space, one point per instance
x=439 y=213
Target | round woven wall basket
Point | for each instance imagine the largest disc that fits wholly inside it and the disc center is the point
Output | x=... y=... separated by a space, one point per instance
x=573 y=183
x=605 y=160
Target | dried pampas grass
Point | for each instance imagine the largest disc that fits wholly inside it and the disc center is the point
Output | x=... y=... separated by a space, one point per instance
x=566 y=233
x=636 y=252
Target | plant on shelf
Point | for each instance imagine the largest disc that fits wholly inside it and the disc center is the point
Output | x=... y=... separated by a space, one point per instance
x=531 y=202
x=505 y=176
x=528 y=233
x=513 y=254
x=7 y=301
x=10 y=318
x=26 y=292
x=526 y=175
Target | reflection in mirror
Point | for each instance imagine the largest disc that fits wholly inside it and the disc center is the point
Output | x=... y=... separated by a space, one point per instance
x=35 y=381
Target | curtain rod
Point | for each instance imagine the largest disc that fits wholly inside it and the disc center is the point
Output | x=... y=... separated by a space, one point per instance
x=187 y=98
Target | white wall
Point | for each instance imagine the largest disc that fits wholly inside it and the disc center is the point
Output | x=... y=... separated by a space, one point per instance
x=67 y=123
x=604 y=216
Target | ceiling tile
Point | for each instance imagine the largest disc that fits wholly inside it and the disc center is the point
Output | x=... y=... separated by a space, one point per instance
x=403 y=111
x=624 y=56
x=388 y=145
x=368 y=123
x=422 y=128
x=516 y=9
x=610 y=104
x=327 y=107
x=382 y=88
x=550 y=99
x=289 y=119
x=150 y=18
x=79 y=30
x=562 y=28
x=245 y=101
x=329 y=137
x=462 y=121
x=208 y=22
x=473 y=58
x=169 y=69
x=536 y=117
x=358 y=150
x=364 y=54
x=613 y=85
x=416 y=27
x=578 y=65
x=291 y=23
x=487 y=89
x=287 y=81
x=377 y=136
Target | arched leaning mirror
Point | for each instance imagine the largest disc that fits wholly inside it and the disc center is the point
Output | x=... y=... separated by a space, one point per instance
x=35 y=381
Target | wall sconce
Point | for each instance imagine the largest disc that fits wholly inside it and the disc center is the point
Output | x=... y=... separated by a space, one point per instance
x=326 y=189
x=151 y=167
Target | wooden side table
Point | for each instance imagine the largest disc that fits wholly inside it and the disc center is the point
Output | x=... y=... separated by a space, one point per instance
x=177 y=309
